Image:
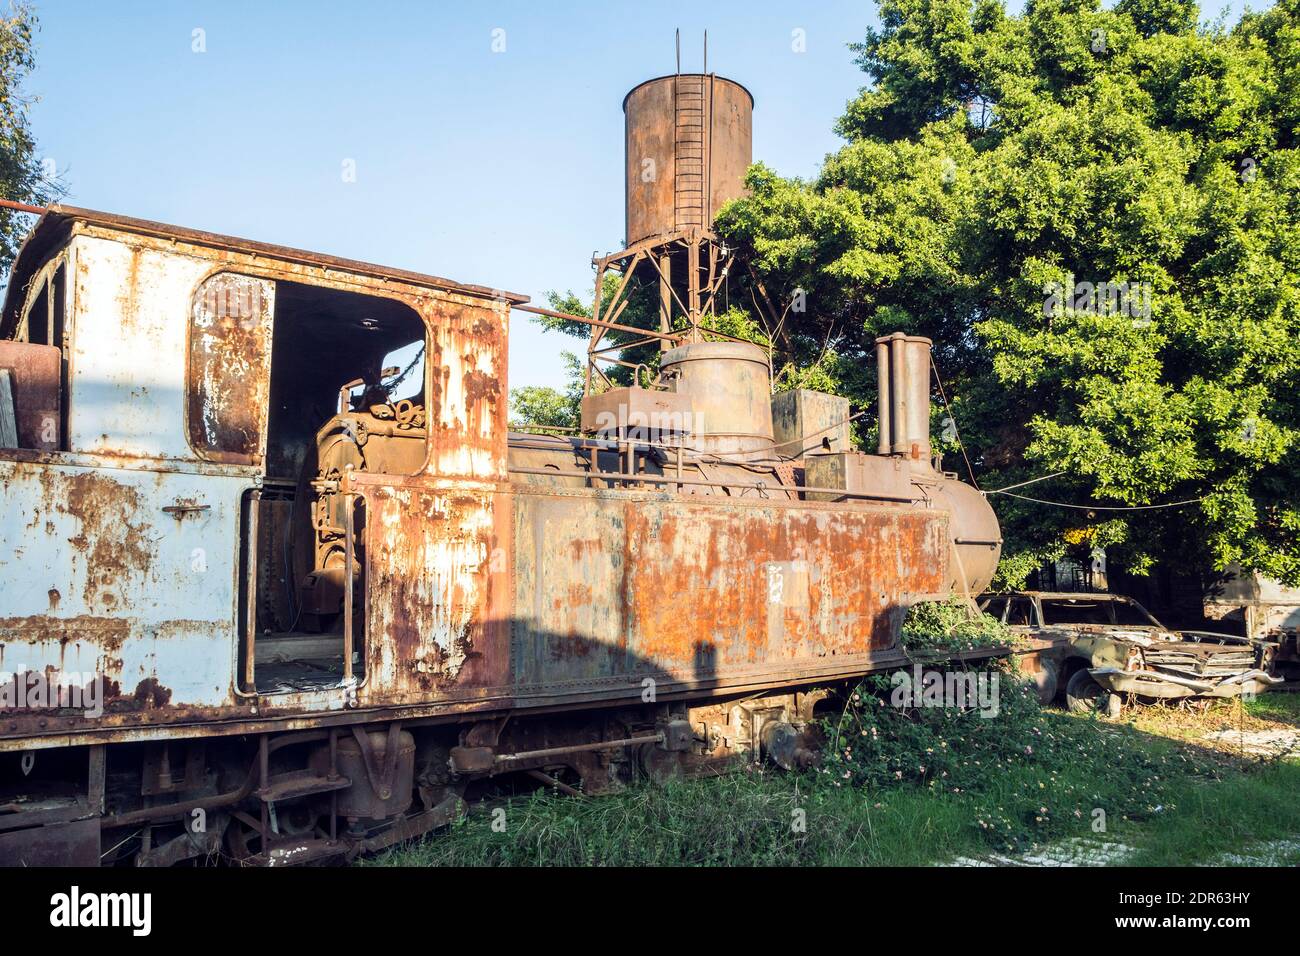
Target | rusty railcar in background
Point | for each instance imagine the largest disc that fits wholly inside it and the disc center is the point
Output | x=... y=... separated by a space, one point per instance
x=287 y=600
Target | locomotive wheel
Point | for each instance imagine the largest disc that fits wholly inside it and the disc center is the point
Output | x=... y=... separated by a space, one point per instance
x=659 y=765
x=238 y=838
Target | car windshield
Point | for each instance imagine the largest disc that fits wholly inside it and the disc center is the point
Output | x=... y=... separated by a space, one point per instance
x=1065 y=611
x=1131 y=615
x=1086 y=611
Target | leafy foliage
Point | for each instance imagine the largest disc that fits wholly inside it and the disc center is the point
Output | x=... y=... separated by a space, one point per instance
x=546 y=407
x=1044 y=771
x=21 y=176
x=1000 y=167
x=951 y=626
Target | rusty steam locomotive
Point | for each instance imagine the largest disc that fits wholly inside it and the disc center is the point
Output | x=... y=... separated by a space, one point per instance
x=279 y=584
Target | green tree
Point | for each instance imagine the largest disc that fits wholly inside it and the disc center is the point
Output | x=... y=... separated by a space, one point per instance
x=1095 y=213
x=21 y=176
x=544 y=407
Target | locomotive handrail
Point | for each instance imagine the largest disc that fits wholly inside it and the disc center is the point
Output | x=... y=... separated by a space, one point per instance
x=614 y=476
x=349 y=559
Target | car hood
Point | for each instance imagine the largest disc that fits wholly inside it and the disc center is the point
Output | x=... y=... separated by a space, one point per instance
x=1141 y=636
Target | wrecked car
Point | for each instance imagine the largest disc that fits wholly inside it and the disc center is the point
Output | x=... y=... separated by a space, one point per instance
x=1107 y=648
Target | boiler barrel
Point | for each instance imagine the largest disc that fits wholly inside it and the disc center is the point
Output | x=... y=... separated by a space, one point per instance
x=975 y=534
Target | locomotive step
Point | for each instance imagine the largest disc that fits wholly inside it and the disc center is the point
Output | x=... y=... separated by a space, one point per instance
x=291 y=786
x=299 y=853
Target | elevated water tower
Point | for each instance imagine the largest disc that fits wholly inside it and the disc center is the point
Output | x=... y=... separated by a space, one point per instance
x=688 y=146
x=688 y=141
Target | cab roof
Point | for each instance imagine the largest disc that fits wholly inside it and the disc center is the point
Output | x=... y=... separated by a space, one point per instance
x=55 y=226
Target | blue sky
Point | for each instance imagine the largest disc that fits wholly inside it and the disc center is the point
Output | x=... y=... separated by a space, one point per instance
x=503 y=169
x=498 y=168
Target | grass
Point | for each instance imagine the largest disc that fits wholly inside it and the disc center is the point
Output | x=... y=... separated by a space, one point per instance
x=1279 y=707
x=1210 y=823
x=742 y=819
x=1170 y=799
x=1184 y=722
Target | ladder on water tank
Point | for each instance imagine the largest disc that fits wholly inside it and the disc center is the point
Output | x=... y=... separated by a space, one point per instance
x=689 y=151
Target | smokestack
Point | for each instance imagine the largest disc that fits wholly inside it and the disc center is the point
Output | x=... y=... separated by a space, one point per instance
x=903 y=396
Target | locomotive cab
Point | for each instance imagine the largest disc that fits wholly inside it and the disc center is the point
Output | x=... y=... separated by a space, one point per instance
x=193 y=418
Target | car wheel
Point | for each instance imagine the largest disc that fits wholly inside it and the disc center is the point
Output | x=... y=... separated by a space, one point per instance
x=1046 y=680
x=1083 y=695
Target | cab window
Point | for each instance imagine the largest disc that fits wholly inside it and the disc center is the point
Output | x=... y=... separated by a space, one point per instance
x=34 y=367
x=229 y=361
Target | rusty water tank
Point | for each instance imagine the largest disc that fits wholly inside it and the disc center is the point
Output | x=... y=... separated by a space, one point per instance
x=730 y=388
x=688 y=146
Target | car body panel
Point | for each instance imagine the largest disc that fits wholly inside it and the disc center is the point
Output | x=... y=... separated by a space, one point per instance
x=1146 y=660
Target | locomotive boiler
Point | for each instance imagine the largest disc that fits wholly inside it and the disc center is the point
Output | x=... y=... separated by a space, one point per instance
x=280 y=584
